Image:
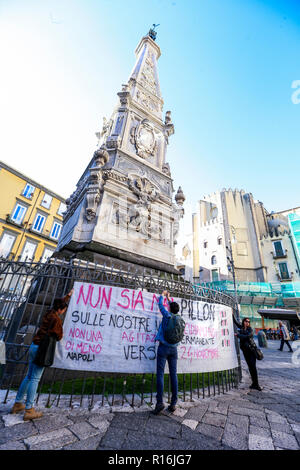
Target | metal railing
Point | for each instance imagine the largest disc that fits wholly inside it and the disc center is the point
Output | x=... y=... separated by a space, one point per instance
x=28 y=289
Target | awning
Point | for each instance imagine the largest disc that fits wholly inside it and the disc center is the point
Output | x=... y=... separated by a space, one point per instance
x=279 y=314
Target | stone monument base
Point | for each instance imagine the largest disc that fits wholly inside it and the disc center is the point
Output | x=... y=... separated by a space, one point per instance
x=100 y=253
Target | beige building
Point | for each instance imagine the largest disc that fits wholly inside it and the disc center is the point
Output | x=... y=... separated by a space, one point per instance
x=232 y=226
x=229 y=225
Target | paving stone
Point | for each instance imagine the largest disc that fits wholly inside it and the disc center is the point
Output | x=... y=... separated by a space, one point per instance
x=92 y=443
x=50 y=423
x=283 y=427
x=190 y=423
x=197 y=412
x=51 y=440
x=296 y=427
x=114 y=438
x=150 y=441
x=183 y=444
x=259 y=422
x=247 y=411
x=13 y=419
x=83 y=430
x=200 y=441
x=19 y=431
x=233 y=437
x=212 y=431
x=215 y=419
x=258 y=431
x=163 y=425
x=135 y=421
x=284 y=440
x=260 y=443
x=13 y=445
x=180 y=412
x=275 y=417
x=100 y=423
x=240 y=421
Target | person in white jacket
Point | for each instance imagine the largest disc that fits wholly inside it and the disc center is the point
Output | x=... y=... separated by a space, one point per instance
x=284 y=336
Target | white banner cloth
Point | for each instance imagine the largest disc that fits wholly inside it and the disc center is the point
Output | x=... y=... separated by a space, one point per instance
x=113 y=329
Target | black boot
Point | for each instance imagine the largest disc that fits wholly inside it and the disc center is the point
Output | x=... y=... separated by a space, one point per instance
x=159 y=407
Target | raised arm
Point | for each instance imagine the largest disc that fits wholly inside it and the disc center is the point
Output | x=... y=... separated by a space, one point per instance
x=162 y=309
x=239 y=325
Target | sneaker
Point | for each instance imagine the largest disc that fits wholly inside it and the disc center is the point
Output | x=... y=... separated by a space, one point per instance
x=171 y=408
x=158 y=409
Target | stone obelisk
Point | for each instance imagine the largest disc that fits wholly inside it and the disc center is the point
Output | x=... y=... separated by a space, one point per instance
x=123 y=205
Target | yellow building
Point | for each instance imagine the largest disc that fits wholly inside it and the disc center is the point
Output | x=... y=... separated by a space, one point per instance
x=30 y=217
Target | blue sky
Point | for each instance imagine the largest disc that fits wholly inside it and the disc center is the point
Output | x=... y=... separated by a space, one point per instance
x=226 y=73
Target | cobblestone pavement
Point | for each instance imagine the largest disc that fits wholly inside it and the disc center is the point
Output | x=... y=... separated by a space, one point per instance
x=241 y=419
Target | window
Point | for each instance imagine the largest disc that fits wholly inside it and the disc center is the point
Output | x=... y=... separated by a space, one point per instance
x=284 y=272
x=278 y=249
x=39 y=223
x=6 y=244
x=205 y=244
x=213 y=259
x=46 y=202
x=18 y=213
x=55 y=231
x=47 y=254
x=28 y=251
x=62 y=208
x=28 y=191
x=219 y=240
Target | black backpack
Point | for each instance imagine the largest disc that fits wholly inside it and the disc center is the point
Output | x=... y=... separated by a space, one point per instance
x=174 y=331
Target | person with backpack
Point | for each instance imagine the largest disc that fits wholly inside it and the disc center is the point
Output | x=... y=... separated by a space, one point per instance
x=169 y=335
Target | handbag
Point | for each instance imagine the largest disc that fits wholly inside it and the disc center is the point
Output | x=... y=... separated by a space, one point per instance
x=45 y=353
x=257 y=352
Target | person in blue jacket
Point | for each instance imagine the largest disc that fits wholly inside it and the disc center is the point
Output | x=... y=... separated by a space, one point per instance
x=166 y=352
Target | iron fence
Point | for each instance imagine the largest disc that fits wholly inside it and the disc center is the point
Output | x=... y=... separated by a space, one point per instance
x=28 y=288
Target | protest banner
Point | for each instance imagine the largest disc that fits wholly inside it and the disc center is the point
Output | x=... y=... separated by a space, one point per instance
x=113 y=329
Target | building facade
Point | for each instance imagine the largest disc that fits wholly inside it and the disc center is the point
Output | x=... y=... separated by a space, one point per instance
x=229 y=224
x=241 y=248
x=31 y=217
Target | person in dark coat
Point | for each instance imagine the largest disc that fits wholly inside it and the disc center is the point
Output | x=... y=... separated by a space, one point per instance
x=245 y=336
x=51 y=325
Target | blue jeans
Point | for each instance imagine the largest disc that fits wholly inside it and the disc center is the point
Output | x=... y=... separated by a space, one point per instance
x=166 y=353
x=29 y=385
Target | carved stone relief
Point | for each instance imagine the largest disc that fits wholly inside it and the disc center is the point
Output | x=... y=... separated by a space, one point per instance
x=164 y=186
x=144 y=139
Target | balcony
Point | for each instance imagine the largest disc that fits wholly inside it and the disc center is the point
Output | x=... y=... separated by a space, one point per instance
x=9 y=220
x=286 y=277
x=279 y=254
